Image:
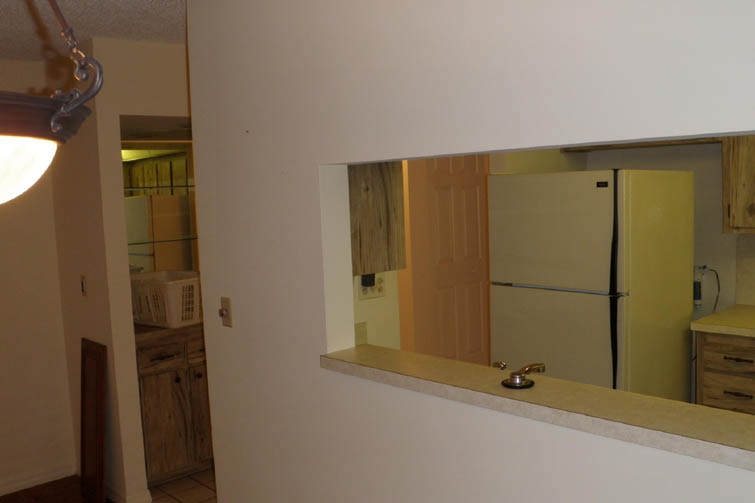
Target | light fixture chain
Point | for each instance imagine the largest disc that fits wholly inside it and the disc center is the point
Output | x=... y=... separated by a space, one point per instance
x=82 y=63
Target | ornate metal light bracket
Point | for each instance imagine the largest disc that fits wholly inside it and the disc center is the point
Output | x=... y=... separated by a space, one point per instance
x=82 y=65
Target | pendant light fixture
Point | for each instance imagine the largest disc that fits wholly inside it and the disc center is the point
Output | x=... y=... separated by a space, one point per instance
x=32 y=127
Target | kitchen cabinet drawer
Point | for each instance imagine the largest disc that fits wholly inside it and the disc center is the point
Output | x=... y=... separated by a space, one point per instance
x=195 y=349
x=161 y=358
x=729 y=354
x=729 y=392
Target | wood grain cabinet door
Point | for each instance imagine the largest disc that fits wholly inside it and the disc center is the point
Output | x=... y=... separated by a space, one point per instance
x=376 y=205
x=166 y=414
x=200 y=410
x=738 y=165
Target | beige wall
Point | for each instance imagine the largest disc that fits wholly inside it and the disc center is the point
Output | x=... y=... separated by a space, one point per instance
x=279 y=88
x=36 y=430
x=380 y=313
x=745 y=287
x=541 y=161
x=140 y=79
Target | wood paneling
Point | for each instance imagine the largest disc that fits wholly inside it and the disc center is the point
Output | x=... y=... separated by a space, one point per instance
x=376 y=202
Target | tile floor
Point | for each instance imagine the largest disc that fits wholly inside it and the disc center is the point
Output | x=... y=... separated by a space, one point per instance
x=197 y=488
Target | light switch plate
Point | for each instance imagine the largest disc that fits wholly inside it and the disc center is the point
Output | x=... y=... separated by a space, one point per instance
x=372 y=292
x=225 y=311
x=360 y=333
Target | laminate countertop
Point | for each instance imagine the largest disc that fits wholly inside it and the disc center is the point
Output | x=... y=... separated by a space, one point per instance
x=717 y=435
x=738 y=319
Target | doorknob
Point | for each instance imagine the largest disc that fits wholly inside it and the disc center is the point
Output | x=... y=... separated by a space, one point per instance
x=499 y=365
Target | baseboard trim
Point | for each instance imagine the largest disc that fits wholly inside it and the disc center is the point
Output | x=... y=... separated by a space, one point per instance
x=35 y=480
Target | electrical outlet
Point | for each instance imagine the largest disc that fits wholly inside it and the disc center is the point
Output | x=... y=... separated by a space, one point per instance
x=373 y=292
x=360 y=333
x=225 y=311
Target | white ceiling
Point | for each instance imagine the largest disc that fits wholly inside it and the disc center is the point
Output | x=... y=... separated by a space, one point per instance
x=21 y=21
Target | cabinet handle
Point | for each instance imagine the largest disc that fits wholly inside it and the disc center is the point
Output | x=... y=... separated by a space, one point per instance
x=177 y=380
x=738 y=360
x=738 y=394
x=162 y=357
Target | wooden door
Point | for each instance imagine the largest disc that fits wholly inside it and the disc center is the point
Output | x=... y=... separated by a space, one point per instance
x=444 y=293
x=166 y=416
x=93 y=421
x=200 y=413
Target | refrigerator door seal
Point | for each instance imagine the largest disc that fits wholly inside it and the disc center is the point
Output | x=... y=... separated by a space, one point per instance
x=614 y=305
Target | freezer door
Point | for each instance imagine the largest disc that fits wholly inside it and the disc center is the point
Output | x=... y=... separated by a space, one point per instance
x=552 y=229
x=569 y=332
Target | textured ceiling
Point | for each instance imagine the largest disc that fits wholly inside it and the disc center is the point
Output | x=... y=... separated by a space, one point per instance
x=25 y=24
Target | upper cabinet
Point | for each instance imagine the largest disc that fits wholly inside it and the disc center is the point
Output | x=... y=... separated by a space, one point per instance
x=738 y=167
x=376 y=203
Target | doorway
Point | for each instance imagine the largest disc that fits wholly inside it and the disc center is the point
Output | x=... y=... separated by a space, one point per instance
x=435 y=302
x=162 y=240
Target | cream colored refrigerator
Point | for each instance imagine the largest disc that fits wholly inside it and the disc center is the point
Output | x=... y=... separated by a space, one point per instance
x=591 y=273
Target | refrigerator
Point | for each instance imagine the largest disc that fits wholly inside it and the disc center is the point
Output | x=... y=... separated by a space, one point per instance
x=591 y=274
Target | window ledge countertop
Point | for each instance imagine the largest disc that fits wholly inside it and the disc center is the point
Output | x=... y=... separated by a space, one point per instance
x=702 y=432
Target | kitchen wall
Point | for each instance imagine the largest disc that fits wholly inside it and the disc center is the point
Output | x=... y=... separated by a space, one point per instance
x=536 y=161
x=36 y=429
x=745 y=290
x=280 y=88
x=381 y=314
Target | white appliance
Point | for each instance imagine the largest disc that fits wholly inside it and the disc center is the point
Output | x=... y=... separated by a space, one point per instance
x=591 y=274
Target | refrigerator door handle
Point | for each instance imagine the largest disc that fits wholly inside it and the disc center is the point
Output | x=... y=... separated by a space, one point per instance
x=551 y=288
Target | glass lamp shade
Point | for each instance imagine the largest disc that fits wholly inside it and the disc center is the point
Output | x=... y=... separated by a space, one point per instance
x=27 y=142
x=23 y=160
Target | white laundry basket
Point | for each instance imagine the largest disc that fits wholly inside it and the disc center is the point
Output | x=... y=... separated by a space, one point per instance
x=167 y=299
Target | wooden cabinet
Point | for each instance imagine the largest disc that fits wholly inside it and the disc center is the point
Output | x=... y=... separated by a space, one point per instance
x=726 y=371
x=376 y=204
x=166 y=423
x=738 y=182
x=174 y=399
x=200 y=412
